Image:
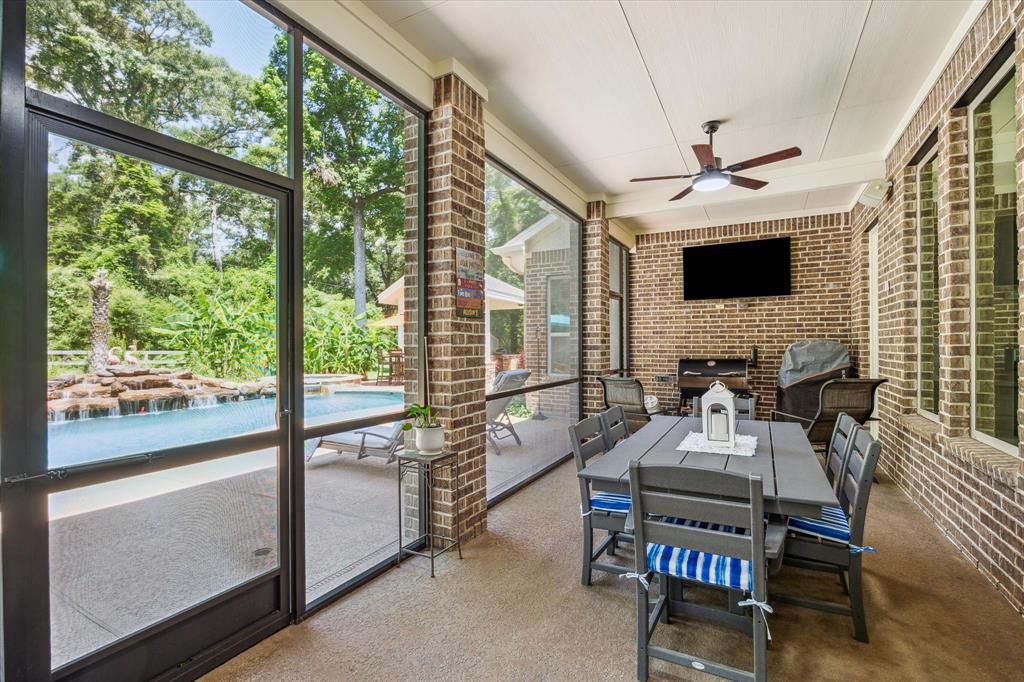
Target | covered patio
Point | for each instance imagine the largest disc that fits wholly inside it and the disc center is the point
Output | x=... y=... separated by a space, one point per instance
x=716 y=307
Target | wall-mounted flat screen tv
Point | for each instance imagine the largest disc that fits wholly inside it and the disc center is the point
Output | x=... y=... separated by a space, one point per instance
x=737 y=269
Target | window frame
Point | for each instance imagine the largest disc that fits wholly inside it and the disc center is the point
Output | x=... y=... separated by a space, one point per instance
x=549 y=281
x=997 y=80
x=622 y=297
x=931 y=154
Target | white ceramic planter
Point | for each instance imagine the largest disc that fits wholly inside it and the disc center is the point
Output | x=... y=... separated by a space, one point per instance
x=429 y=440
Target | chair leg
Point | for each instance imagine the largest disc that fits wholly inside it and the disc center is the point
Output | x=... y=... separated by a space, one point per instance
x=860 y=623
x=614 y=544
x=494 y=443
x=588 y=551
x=642 y=615
x=760 y=646
x=512 y=429
x=663 y=587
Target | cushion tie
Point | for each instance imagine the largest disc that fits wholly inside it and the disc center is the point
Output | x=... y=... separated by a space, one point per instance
x=857 y=549
x=585 y=514
x=641 y=577
x=765 y=607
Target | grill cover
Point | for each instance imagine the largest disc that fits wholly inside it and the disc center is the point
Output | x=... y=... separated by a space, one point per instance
x=806 y=365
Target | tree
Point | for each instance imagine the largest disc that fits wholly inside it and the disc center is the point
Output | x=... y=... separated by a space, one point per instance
x=353 y=164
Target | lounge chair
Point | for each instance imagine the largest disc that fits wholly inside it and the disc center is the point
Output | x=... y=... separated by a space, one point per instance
x=383 y=440
x=499 y=424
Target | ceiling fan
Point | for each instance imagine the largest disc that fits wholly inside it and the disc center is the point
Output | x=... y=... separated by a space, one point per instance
x=713 y=176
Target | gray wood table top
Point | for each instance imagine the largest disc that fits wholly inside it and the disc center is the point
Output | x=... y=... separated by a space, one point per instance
x=793 y=480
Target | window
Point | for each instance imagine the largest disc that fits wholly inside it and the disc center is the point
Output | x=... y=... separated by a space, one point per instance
x=560 y=337
x=995 y=299
x=618 y=305
x=532 y=328
x=928 y=286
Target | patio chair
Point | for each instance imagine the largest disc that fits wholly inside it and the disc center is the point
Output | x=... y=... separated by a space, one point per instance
x=834 y=543
x=856 y=397
x=499 y=424
x=689 y=526
x=614 y=426
x=627 y=393
x=839 y=447
x=746 y=408
x=600 y=510
x=384 y=441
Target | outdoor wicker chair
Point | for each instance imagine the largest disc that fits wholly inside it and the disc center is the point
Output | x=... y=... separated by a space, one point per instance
x=628 y=393
x=855 y=397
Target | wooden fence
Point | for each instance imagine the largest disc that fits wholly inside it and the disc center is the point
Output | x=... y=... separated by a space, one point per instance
x=79 y=359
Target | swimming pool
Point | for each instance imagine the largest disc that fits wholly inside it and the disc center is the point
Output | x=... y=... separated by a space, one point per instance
x=86 y=440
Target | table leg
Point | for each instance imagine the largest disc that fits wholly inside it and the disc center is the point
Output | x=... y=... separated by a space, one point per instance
x=429 y=473
x=398 y=562
x=458 y=514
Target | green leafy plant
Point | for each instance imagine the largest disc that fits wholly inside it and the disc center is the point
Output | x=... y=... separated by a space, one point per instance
x=422 y=417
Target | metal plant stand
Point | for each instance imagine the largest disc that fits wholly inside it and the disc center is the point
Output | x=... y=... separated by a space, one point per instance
x=426 y=467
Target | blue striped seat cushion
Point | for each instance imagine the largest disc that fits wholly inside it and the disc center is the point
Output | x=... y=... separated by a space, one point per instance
x=610 y=502
x=712 y=569
x=832 y=525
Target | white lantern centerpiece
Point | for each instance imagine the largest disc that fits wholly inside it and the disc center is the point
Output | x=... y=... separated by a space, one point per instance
x=718 y=409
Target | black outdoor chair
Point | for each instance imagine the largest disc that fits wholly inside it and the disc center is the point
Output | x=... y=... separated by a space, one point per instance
x=855 y=397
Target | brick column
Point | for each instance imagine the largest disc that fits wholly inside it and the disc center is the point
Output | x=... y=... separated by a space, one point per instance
x=455 y=355
x=596 y=355
x=954 y=237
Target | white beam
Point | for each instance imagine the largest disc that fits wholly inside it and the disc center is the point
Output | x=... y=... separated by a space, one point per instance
x=792 y=179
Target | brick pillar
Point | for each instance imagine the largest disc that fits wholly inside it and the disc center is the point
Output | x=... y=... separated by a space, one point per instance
x=1019 y=110
x=954 y=237
x=455 y=355
x=596 y=355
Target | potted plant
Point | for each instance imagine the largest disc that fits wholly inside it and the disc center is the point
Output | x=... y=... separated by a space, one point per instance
x=429 y=433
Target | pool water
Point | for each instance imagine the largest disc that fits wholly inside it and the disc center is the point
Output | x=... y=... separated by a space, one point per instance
x=86 y=440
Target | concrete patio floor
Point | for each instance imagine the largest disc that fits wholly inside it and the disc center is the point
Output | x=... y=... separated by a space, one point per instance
x=931 y=615
x=132 y=552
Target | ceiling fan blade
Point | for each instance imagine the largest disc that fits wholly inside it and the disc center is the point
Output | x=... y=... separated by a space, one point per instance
x=780 y=155
x=661 y=177
x=749 y=183
x=682 y=194
x=705 y=156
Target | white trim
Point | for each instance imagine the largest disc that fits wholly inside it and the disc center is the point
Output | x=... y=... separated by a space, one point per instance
x=931 y=155
x=989 y=88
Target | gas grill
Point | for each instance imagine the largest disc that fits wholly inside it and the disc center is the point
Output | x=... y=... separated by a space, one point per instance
x=694 y=377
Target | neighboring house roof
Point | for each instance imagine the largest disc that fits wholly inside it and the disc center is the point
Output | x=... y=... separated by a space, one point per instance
x=543 y=235
x=498 y=295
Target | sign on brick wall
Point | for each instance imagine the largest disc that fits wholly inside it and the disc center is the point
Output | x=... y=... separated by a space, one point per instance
x=469 y=300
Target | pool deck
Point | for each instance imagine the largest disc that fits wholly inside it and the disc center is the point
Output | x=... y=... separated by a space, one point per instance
x=129 y=553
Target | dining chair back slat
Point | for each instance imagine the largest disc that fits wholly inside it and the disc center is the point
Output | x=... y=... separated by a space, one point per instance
x=614 y=426
x=588 y=440
x=729 y=512
x=698 y=539
x=839 y=446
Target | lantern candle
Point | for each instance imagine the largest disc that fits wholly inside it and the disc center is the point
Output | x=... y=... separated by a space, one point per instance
x=719 y=426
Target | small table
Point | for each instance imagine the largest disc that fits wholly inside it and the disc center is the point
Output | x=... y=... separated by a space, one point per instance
x=794 y=483
x=426 y=465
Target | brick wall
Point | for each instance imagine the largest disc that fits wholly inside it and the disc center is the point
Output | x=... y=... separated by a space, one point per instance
x=596 y=354
x=974 y=493
x=664 y=327
x=455 y=355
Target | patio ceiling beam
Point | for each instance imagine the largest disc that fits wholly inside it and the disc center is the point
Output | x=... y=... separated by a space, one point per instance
x=851 y=170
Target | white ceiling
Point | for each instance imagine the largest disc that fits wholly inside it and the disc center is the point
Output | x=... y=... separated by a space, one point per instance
x=611 y=90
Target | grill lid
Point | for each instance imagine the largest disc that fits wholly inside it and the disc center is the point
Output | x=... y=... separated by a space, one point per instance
x=812 y=358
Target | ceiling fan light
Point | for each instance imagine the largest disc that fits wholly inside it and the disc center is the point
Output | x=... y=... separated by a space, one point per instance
x=712 y=181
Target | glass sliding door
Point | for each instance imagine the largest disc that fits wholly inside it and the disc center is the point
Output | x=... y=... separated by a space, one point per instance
x=532 y=329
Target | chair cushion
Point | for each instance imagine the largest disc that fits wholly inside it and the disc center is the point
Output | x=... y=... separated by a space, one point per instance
x=610 y=502
x=705 y=567
x=833 y=525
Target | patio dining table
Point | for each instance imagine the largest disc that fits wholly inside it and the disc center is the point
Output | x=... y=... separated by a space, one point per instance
x=793 y=481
